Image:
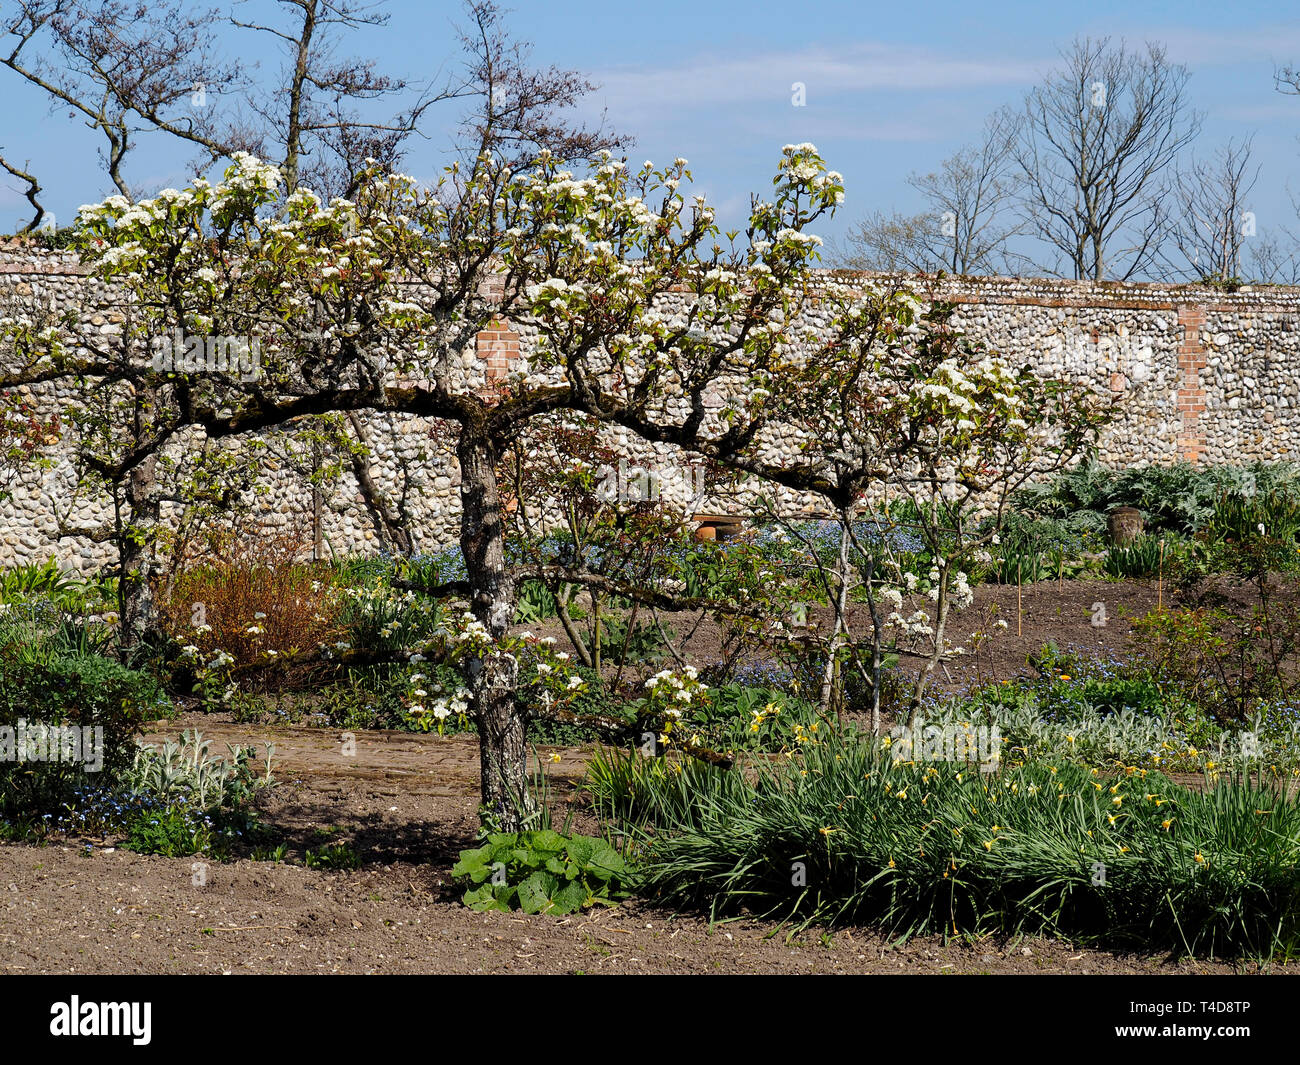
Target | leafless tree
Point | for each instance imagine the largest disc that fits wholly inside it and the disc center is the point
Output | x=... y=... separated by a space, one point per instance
x=309 y=121
x=126 y=67
x=518 y=109
x=123 y=67
x=1275 y=255
x=894 y=243
x=1275 y=258
x=1211 y=223
x=1095 y=141
x=967 y=224
x=1275 y=251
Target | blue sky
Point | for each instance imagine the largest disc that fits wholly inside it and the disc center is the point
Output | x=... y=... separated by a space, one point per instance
x=890 y=88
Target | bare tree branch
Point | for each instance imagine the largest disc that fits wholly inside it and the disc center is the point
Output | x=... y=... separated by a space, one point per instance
x=33 y=190
x=965 y=228
x=1095 y=141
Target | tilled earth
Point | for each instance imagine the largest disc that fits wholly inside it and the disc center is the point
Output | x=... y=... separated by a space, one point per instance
x=407 y=804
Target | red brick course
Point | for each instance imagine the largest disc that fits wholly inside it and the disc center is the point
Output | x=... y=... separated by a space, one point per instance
x=1191 y=390
x=498 y=347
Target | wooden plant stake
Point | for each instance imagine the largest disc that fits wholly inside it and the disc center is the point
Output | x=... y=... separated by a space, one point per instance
x=1160 y=579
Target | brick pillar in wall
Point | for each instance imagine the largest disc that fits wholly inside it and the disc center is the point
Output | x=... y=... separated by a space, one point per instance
x=498 y=347
x=1191 y=390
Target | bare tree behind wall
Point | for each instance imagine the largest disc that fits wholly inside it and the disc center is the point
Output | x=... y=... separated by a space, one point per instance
x=1212 y=226
x=122 y=68
x=1097 y=139
x=968 y=221
x=127 y=68
x=517 y=108
x=1275 y=250
x=319 y=120
x=1275 y=257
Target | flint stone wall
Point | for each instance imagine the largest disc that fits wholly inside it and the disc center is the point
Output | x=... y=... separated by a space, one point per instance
x=1205 y=374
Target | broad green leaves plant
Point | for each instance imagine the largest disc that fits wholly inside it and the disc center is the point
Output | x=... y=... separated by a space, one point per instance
x=542 y=872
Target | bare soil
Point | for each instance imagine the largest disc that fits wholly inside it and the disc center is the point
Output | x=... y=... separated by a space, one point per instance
x=1060 y=612
x=407 y=804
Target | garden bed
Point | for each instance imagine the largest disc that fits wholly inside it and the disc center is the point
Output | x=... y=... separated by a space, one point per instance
x=68 y=911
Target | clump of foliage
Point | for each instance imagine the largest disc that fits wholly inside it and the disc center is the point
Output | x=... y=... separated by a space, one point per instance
x=259 y=621
x=1229 y=659
x=1147 y=557
x=333 y=856
x=1179 y=498
x=846 y=834
x=738 y=717
x=52 y=674
x=198 y=803
x=542 y=872
x=1126 y=715
x=176 y=801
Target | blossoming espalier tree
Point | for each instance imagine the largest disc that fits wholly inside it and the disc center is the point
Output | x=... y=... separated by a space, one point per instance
x=648 y=318
x=857 y=394
x=939 y=425
x=374 y=305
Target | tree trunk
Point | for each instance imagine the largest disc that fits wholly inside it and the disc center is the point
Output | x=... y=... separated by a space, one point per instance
x=940 y=627
x=135 y=546
x=388 y=521
x=832 y=691
x=507 y=803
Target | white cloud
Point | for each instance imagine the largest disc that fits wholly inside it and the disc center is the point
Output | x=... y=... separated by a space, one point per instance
x=1276 y=44
x=710 y=81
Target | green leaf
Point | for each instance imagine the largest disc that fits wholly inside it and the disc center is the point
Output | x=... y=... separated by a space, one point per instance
x=483 y=898
x=607 y=858
x=546 y=840
x=570 y=898
x=471 y=864
x=581 y=849
x=536 y=893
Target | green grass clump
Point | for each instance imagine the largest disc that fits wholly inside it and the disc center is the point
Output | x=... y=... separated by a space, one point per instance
x=843 y=834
